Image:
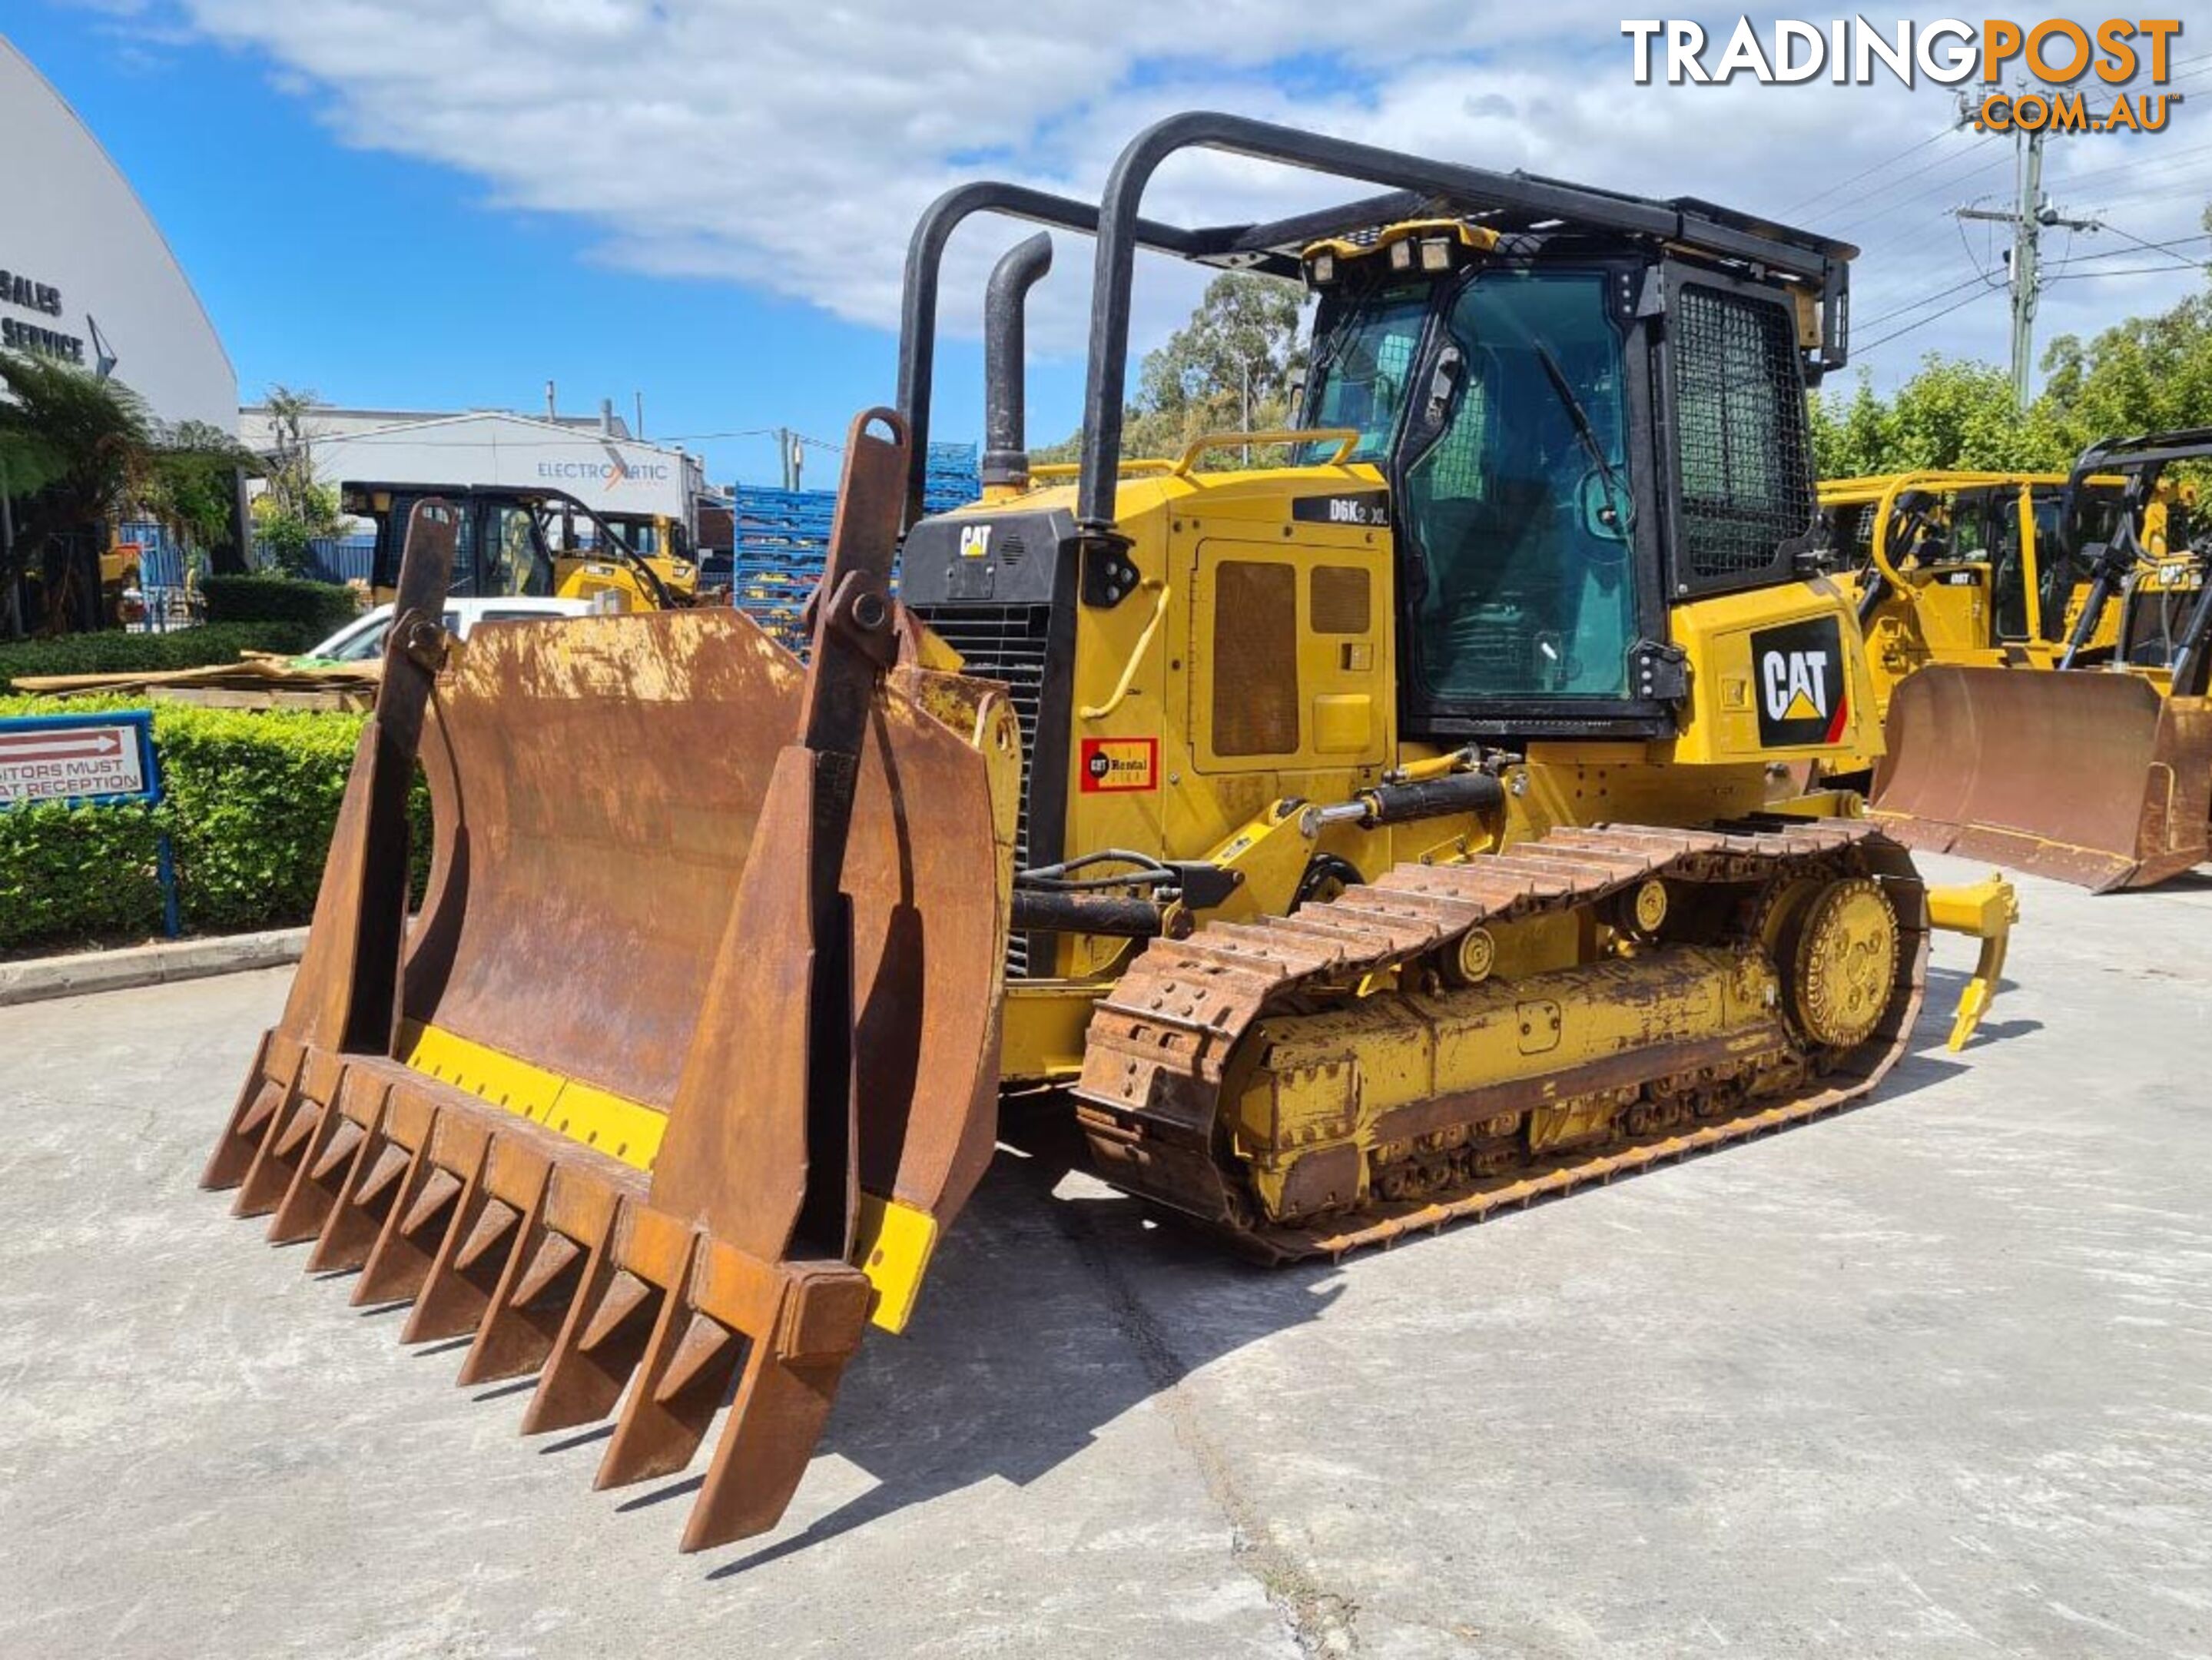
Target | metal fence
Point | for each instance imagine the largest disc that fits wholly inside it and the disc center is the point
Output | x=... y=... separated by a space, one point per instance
x=783 y=536
x=162 y=570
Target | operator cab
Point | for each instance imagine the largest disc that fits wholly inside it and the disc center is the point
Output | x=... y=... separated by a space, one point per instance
x=1513 y=388
x=514 y=541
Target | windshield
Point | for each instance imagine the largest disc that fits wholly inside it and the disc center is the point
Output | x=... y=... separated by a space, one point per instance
x=1519 y=506
x=1359 y=376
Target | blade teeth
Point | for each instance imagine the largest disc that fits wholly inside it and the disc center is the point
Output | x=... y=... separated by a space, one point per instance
x=438 y=1190
x=626 y=1292
x=301 y=1127
x=491 y=1227
x=265 y=1102
x=553 y=1258
x=344 y=1140
x=390 y=1164
x=704 y=1341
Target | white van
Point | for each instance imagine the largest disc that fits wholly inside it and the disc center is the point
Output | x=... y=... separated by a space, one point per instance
x=363 y=640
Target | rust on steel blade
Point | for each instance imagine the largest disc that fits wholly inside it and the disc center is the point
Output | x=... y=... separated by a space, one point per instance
x=2084 y=776
x=603 y=796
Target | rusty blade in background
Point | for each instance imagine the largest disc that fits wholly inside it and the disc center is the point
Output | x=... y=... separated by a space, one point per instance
x=2085 y=777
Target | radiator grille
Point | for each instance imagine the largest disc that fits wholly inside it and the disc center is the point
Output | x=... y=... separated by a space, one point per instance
x=1006 y=643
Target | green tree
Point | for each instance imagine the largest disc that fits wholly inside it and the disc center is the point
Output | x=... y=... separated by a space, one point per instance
x=73 y=448
x=295 y=508
x=1952 y=413
x=2145 y=374
x=1229 y=368
x=191 y=482
x=2142 y=374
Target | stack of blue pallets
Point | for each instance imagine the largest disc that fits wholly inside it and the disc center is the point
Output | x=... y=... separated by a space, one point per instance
x=783 y=537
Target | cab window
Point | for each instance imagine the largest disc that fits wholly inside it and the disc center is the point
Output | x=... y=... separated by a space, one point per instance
x=1519 y=506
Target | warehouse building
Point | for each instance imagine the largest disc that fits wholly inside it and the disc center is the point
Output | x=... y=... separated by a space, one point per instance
x=85 y=274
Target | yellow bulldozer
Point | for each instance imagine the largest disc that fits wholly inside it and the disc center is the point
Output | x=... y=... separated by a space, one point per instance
x=2100 y=773
x=514 y=539
x=1960 y=568
x=1347 y=846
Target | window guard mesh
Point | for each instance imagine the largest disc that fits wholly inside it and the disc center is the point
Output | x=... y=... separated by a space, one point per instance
x=1742 y=442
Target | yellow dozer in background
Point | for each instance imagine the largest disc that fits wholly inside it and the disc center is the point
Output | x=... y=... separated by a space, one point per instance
x=2099 y=773
x=514 y=539
x=1347 y=846
x=1967 y=568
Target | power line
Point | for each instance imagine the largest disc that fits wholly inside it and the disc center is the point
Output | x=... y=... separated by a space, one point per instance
x=1937 y=189
x=2154 y=248
x=2131 y=270
x=1979 y=279
x=2122 y=253
x=1896 y=334
x=1878 y=167
x=2137 y=169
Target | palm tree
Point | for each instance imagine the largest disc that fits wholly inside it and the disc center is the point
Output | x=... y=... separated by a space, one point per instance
x=76 y=449
x=73 y=447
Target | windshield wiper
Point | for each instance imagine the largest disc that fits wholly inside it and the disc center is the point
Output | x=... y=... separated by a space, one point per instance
x=1615 y=490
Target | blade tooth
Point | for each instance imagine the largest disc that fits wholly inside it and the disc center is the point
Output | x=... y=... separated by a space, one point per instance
x=491 y=1227
x=265 y=1102
x=390 y=1164
x=553 y=1258
x=438 y=1190
x=343 y=1140
x=626 y=1293
x=301 y=1125
x=704 y=1341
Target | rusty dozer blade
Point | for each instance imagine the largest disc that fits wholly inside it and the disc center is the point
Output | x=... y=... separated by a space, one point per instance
x=693 y=1047
x=2086 y=776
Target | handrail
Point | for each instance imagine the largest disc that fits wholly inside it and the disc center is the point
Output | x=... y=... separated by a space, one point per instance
x=1128 y=464
x=1348 y=439
x=1100 y=711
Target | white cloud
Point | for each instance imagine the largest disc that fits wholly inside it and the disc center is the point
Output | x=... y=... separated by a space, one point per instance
x=789 y=146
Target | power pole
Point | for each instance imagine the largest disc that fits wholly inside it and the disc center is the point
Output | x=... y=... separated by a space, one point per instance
x=786 y=453
x=2031 y=214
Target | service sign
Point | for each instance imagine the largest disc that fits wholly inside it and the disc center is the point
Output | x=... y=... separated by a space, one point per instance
x=78 y=757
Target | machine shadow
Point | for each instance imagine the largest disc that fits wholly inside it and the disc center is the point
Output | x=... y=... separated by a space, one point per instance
x=1051 y=1311
x=1048 y=1315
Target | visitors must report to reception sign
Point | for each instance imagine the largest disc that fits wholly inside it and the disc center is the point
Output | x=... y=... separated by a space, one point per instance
x=78 y=757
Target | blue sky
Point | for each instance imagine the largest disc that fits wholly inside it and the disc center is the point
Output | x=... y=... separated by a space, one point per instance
x=383 y=282
x=442 y=202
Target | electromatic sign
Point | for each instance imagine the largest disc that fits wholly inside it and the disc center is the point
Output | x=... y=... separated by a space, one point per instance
x=1798 y=680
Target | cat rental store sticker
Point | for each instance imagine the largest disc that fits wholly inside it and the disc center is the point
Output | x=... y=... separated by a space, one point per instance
x=1116 y=765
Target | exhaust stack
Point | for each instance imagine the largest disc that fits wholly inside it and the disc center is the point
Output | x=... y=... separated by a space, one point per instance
x=1006 y=456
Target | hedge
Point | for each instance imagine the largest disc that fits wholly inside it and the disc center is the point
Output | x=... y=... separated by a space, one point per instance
x=115 y=652
x=322 y=607
x=251 y=799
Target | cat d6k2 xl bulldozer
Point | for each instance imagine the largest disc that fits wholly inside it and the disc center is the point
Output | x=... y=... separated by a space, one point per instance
x=1350 y=845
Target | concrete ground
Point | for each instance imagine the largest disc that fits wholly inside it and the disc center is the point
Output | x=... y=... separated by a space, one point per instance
x=1931 y=1379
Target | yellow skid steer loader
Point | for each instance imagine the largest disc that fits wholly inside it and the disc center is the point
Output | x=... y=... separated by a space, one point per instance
x=1350 y=846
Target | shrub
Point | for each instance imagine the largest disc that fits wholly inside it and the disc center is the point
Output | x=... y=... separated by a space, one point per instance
x=134 y=653
x=322 y=607
x=251 y=799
